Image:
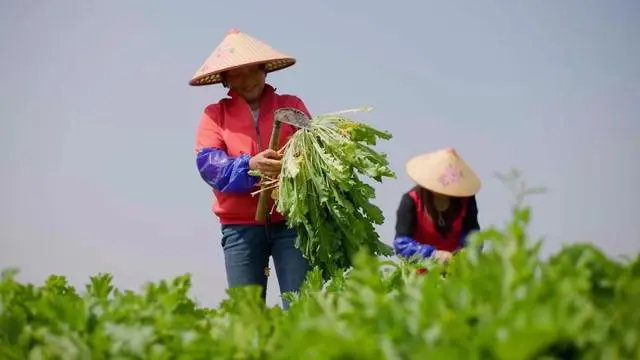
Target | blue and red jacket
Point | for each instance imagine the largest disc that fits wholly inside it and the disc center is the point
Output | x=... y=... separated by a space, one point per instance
x=226 y=139
x=417 y=234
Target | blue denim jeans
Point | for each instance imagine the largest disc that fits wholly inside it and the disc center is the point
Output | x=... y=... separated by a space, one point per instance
x=247 y=249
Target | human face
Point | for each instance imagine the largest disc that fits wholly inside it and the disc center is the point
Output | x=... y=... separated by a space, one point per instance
x=248 y=81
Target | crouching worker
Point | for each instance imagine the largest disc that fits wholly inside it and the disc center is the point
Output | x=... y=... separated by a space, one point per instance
x=435 y=217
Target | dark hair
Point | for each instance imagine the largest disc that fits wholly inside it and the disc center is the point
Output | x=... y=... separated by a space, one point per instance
x=455 y=206
x=262 y=67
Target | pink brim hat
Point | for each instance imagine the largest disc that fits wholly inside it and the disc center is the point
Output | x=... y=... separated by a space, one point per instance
x=444 y=172
x=236 y=50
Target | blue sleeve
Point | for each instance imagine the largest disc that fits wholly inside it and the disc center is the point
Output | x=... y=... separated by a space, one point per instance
x=407 y=247
x=225 y=173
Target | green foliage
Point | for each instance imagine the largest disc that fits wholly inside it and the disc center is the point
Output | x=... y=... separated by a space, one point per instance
x=502 y=303
x=321 y=193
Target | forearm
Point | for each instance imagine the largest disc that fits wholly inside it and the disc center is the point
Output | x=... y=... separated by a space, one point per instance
x=225 y=173
x=406 y=247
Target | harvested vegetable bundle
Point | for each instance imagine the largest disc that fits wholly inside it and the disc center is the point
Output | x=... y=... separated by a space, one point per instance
x=320 y=192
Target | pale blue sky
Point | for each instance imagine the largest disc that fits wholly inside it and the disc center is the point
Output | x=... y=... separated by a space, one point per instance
x=98 y=122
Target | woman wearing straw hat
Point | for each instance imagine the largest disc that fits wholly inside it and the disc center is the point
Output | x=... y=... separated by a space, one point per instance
x=233 y=138
x=435 y=217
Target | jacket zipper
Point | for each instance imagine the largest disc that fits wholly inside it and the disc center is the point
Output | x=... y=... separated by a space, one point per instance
x=258 y=135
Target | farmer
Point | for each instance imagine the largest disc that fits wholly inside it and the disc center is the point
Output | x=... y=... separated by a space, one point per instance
x=435 y=217
x=233 y=138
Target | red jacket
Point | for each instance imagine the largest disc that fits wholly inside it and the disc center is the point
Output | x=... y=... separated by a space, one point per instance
x=226 y=139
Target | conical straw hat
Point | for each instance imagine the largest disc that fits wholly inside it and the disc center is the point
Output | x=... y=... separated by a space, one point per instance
x=236 y=50
x=444 y=172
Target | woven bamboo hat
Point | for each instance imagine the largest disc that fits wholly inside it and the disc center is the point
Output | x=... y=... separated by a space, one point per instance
x=444 y=172
x=238 y=49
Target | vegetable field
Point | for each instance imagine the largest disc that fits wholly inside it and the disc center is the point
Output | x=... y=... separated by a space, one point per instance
x=503 y=303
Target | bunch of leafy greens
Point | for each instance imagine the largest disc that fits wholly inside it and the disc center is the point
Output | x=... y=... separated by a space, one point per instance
x=504 y=303
x=321 y=194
